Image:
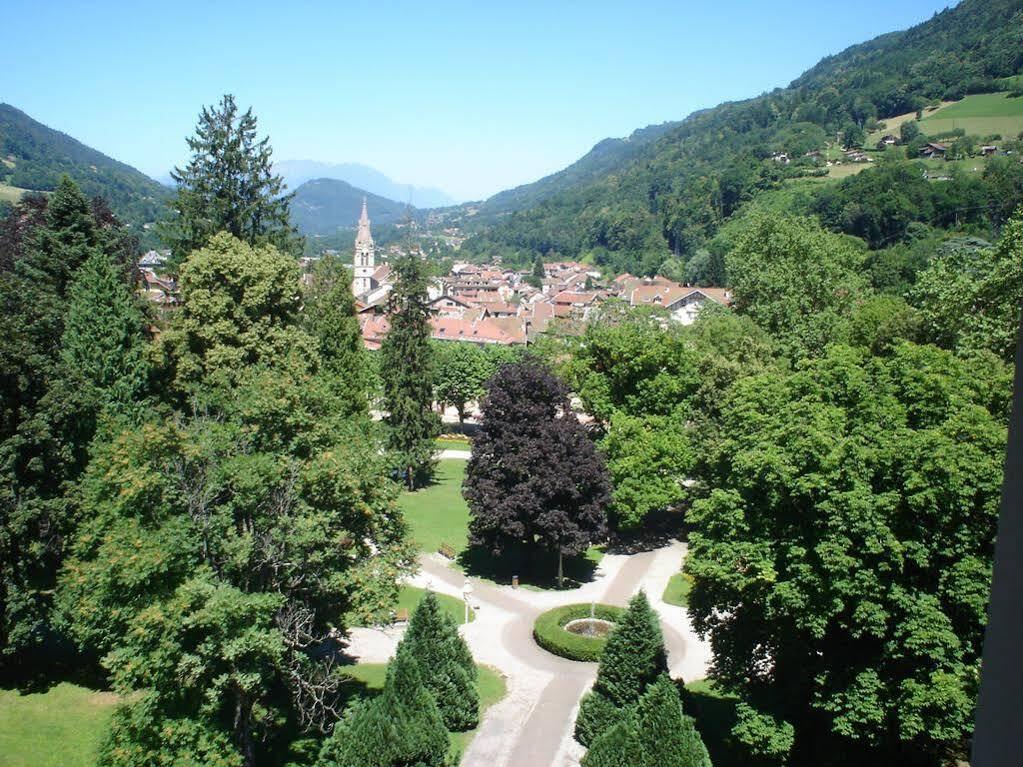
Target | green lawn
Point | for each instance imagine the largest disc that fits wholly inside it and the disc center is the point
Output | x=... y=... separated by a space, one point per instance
x=453 y=443
x=490 y=685
x=409 y=596
x=62 y=727
x=437 y=514
x=980 y=115
x=677 y=590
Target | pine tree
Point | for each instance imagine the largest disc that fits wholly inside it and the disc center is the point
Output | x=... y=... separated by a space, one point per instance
x=449 y=671
x=633 y=658
x=102 y=345
x=329 y=316
x=406 y=370
x=228 y=186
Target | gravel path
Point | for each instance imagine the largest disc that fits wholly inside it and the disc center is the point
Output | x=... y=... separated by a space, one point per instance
x=532 y=725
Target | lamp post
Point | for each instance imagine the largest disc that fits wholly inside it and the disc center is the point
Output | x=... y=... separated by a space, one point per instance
x=466 y=593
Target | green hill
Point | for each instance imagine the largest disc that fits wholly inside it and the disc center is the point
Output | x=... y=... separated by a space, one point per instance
x=34 y=157
x=325 y=205
x=982 y=115
x=669 y=195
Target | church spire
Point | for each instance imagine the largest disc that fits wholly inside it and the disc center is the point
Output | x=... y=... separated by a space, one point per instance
x=363 y=236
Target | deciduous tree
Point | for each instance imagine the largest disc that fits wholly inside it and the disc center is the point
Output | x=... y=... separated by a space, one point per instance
x=535 y=477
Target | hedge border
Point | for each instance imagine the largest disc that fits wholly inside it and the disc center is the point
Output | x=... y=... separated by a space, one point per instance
x=550 y=634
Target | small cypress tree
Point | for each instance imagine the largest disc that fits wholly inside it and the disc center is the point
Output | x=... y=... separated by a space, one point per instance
x=406 y=371
x=449 y=671
x=633 y=658
x=616 y=747
x=665 y=736
x=401 y=727
x=654 y=733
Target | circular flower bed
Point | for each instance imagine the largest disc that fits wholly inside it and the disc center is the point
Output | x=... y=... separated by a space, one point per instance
x=550 y=633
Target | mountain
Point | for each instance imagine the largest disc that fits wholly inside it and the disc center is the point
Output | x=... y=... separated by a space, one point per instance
x=297 y=172
x=324 y=205
x=34 y=157
x=666 y=192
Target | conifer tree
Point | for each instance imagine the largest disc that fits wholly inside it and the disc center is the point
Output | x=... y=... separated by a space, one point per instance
x=102 y=344
x=449 y=671
x=328 y=314
x=406 y=371
x=401 y=727
x=632 y=659
x=229 y=186
x=654 y=734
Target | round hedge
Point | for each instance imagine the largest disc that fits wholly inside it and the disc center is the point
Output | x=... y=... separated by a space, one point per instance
x=549 y=631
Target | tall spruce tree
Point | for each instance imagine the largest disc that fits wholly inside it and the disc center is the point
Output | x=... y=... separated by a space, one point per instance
x=449 y=671
x=633 y=658
x=406 y=371
x=102 y=346
x=43 y=440
x=328 y=314
x=229 y=186
x=535 y=478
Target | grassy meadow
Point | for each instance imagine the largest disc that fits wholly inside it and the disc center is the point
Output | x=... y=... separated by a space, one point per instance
x=981 y=115
x=61 y=727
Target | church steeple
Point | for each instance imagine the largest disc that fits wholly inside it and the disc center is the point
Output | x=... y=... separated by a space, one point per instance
x=365 y=253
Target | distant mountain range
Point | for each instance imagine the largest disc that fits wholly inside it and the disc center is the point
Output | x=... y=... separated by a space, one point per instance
x=324 y=205
x=34 y=157
x=298 y=172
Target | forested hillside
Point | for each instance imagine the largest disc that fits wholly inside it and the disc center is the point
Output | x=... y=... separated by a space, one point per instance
x=34 y=157
x=324 y=205
x=667 y=198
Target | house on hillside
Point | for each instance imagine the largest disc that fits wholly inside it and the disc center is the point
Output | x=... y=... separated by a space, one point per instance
x=934 y=150
x=886 y=141
x=987 y=151
x=681 y=302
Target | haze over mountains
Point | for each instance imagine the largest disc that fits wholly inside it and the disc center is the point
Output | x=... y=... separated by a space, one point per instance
x=297 y=172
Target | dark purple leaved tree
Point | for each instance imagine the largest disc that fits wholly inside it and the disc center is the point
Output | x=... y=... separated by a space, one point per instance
x=535 y=477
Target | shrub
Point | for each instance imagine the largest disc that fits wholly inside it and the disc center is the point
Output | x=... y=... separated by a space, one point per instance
x=550 y=634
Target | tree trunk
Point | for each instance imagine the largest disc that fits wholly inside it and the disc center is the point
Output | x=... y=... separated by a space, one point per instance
x=411 y=479
x=561 y=572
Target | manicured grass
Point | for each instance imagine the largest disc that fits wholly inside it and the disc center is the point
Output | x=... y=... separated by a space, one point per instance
x=453 y=443
x=489 y=684
x=677 y=590
x=714 y=712
x=438 y=514
x=62 y=727
x=410 y=596
x=979 y=115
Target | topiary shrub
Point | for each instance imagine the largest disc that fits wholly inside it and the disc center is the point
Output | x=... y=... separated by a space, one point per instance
x=549 y=631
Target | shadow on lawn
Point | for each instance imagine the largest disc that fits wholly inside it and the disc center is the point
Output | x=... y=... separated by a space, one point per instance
x=714 y=713
x=533 y=567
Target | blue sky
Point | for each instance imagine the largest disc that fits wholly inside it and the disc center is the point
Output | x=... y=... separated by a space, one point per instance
x=471 y=97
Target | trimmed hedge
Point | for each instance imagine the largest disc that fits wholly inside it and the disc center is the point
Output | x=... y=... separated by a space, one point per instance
x=550 y=634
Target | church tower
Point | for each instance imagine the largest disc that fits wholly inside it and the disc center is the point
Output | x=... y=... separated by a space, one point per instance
x=364 y=256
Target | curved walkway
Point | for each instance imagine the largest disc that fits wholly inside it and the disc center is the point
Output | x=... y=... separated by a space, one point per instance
x=532 y=725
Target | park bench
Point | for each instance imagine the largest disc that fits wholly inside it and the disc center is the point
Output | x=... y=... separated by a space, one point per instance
x=401 y=616
x=446 y=551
